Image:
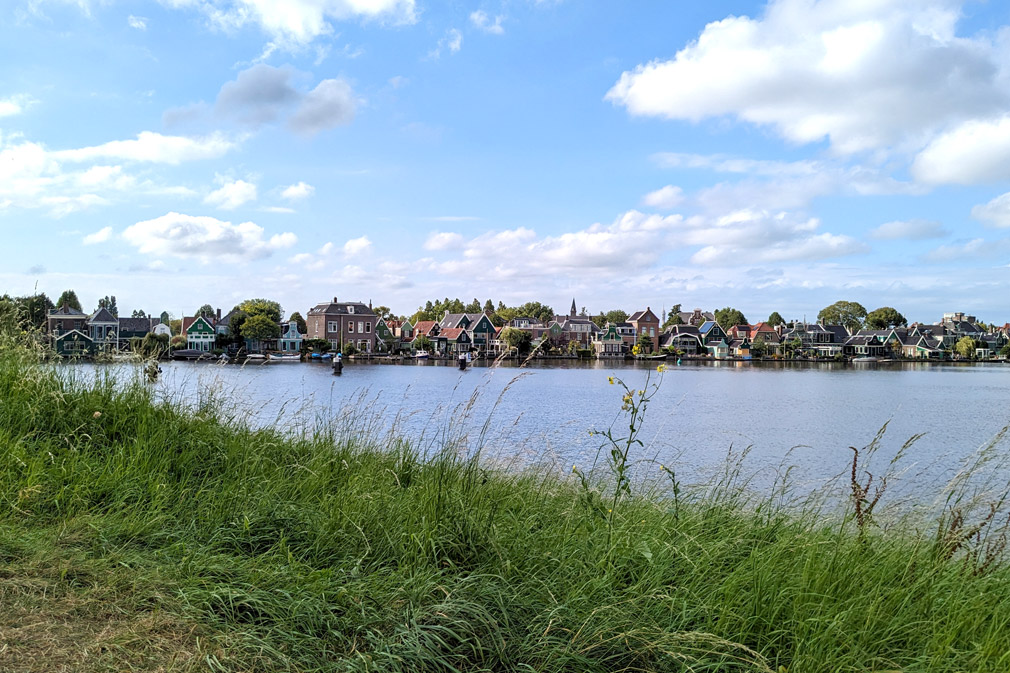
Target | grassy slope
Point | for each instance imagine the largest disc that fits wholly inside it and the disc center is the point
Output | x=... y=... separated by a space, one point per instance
x=137 y=537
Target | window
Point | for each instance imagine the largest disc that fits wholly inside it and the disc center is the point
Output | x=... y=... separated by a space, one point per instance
x=361 y=327
x=350 y=309
x=368 y=327
x=350 y=327
x=331 y=326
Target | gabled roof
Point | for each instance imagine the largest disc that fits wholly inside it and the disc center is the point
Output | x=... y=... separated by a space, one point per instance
x=707 y=326
x=187 y=323
x=425 y=326
x=102 y=315
x=453 y=333
x=341 y=308
x=66 y=312
x=226 y=320
x=80 y=335
x=682 y=329
x=135 y=325
x=643 y=315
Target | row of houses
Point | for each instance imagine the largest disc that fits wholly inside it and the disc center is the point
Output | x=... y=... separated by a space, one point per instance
x=354 y=323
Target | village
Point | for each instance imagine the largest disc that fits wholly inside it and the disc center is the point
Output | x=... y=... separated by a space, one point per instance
x=356 y=330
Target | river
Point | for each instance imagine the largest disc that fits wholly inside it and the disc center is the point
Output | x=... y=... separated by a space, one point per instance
x=804 y=416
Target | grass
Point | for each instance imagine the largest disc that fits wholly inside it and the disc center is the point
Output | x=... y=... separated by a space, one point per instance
x=139 y=536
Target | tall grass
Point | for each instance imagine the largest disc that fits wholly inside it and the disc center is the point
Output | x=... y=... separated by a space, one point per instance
x=332 y=551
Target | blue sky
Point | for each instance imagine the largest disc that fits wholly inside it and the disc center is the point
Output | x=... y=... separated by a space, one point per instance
x=769 y=156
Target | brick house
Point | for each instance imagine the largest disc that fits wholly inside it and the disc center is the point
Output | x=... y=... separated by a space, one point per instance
x=343 y=322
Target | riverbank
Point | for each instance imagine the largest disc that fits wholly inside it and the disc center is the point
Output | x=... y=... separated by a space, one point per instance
x=136 y=535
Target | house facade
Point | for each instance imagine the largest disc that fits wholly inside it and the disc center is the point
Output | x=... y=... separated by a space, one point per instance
x=341 y=323
x=200 y=334
x=291 y=339
x=646 y=324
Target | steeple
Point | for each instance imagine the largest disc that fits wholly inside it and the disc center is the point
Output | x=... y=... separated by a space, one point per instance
x=574 y=310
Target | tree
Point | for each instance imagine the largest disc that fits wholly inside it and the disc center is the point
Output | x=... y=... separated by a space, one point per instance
x=728 y=317
x=517 y=339
x=34 y=310
x=489 y=307
x=758 y=346
x=109 y=303
x=422 y=343
x=673 y=317
x=206 y=310
x=259 y=327
x=382 y=311
x=138 y=313
x=848 y=313
x=884 y=317
x=472 y=307
x=775 y=319
x=175 y=326
x=645 y=343
x=69 y=297
x=613 y=316
x=264 y=307
x=300 y=321
x=965 y=347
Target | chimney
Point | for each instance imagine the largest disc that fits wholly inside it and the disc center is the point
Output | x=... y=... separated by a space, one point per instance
x=334 y=300
x=219 y=315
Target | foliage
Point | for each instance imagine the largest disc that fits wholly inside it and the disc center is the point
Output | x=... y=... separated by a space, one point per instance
x=69 y=297
x=613 y=317
x=758 y=347
x=153 y=345
x=775 y=320
x=177 y=341
x=965 y=347
x=315 y=346
x=531 y=309
x=673 y=317
x=300 y=321
x=259 y=327
x=264 y=307
x=728 y=317
x=109 y=303
x=138 y=313
x=175 y=326
x=206 y=310
x=517 y=339
x=883 y=318
x=645 y=343
x=349 y=348
x=383 y=312
x=848 y=313
x=137 y=535
x=422 y=343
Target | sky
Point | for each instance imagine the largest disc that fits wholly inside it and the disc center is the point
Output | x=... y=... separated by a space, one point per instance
x=775 y=156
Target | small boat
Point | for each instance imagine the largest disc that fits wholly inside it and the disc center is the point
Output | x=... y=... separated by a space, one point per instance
x=285 y=358
x=316 y=356
x=866 y=358
x=421 y=355
x=326 y=356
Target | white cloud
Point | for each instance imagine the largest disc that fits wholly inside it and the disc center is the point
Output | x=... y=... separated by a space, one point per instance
x=137 y=22
x=453 y=41
x=14 y=105
x=100 y=236
x=863 y=75
x=908 y=230
x=481 y=20
x=443 y=240
x=60 y=206
x=974 y=249
x=293 y=23
x=152 y=147
x=976 y=151
x=280 y=210
x=231 y=194
x=664 y=198
x=996 y=213
x=357 y=246
x=204 y=238
x=300 y=190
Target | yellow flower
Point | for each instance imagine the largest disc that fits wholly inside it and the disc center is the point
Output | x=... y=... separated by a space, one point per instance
x=661 y=368
x=574 y=469
x=611 y=379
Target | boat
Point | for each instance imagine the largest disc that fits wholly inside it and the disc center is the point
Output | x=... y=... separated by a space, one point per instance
x=326 y=356
x=316 y=356
x=422 y=355
x=866 y=358
x=285 y=358
x=189 y=354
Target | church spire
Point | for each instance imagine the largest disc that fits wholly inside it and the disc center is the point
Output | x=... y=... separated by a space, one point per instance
x=573 y=313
